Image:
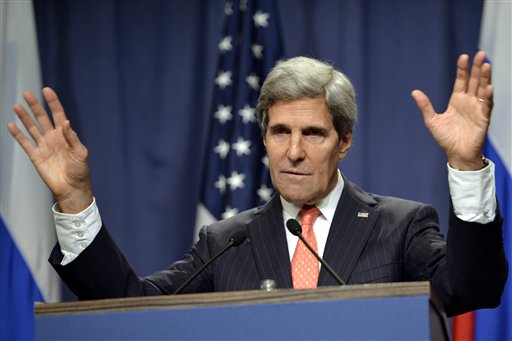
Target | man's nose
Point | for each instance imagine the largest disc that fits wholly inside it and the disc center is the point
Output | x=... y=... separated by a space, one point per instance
x=296 y=151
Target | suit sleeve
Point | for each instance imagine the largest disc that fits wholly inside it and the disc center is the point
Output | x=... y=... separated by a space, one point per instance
x=467 y=272
x=476 y=263
x=102 y=271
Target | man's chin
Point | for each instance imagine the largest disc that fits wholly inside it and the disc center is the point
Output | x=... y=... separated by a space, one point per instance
x=297 y=200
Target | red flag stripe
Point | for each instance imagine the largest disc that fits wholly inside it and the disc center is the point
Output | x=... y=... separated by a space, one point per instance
x=463 y=327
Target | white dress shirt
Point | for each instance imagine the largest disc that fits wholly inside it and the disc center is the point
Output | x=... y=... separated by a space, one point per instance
x=322 y=224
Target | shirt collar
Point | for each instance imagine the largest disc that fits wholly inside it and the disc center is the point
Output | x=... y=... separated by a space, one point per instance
x=327 y=205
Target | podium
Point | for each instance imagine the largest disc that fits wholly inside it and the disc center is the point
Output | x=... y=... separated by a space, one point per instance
x=393 y=311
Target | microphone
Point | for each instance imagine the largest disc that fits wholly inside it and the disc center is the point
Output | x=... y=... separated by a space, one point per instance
x=295 y=228
x=236 y=239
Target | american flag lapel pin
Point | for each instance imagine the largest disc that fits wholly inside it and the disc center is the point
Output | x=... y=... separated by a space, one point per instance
x=362 y=214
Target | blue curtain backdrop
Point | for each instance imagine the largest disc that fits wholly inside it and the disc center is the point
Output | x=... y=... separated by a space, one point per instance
x=136 y=79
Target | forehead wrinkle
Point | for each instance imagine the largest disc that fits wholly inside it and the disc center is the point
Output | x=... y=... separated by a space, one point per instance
x=315 y=125
x=304 y=114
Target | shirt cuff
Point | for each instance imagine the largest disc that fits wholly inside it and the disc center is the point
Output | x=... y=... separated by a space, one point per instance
x=473 y=194
x=76 y=231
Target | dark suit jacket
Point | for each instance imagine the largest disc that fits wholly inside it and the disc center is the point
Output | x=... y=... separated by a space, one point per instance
x=399 y=240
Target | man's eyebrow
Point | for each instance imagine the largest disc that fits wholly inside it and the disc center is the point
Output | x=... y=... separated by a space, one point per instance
x=278 y=126
x=309 y=128
x=316 y=128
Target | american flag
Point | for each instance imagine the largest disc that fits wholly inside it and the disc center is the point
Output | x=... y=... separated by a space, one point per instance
x=236 y=175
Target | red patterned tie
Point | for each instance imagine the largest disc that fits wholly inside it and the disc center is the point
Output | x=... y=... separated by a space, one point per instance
x=305 y=266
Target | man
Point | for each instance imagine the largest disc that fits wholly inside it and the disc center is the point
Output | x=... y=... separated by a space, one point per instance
x=306 y=112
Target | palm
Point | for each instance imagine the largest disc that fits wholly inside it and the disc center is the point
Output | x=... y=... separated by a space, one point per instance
x=462 y=128
x=460 y=131
x=57 y=164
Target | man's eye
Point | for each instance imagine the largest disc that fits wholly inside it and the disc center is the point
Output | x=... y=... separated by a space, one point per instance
x=315 y=136
x=314 y=132
x=279 y=134
x=280 y=131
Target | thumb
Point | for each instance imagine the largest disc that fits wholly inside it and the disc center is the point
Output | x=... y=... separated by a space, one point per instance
x=424 y=105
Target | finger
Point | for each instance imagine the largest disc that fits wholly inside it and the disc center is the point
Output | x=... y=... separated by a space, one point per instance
x=27 y=121
x=462 y=77
x=424 y=105
x=38 y=110
x=485 y=81
x=489 y=92
x=72 y=139
x=476 y=71
x=20 y=138
x=70 y=135
x=59 y=116
x=486 y=99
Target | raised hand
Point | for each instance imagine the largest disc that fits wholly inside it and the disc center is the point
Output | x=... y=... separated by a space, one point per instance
x=58 y=155
x=460 y=131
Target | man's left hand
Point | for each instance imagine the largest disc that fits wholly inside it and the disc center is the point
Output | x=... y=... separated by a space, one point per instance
x=460 y=131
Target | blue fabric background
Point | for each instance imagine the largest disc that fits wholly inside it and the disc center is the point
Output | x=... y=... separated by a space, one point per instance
x=136 y=78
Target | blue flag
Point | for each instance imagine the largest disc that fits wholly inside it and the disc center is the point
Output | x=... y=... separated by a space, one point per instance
x=236 y=175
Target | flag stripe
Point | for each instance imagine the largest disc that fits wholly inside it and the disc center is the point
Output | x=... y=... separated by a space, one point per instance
x=26 y=228
x=496 y=40
x=462 y=327
x=494 y=324
x=18 y=291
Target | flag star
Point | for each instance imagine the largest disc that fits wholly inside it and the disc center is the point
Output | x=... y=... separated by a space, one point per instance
x=229 y=212
x=257 y=51
x=242 y=147
x=260 y=19
x=265 y=193
x=222 y=149
x=220 y=184
x=223 y=79
x=225 y=44
x=253 y=81
x=228 y=8
x=248 y=114
x=234 y=113
x=264 y=160
x=223 y=113
x=236 y=180
x=243 y=5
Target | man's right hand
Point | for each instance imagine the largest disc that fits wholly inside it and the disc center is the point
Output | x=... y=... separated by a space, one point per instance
x=58 y=155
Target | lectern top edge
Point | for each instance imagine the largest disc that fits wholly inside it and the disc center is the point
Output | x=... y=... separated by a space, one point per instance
x=235 y=298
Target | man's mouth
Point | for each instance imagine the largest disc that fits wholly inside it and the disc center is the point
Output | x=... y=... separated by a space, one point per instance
x=296 y=173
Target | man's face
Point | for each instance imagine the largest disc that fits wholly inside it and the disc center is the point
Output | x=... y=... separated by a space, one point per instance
x=303 y=149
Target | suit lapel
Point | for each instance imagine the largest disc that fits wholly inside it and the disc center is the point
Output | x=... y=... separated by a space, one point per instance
x=268 y=244
x=352 y=224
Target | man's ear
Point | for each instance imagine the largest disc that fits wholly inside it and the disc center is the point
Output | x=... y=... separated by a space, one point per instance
x=345 y=144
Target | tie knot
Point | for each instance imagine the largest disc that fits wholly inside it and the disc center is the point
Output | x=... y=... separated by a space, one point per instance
x=308 y=214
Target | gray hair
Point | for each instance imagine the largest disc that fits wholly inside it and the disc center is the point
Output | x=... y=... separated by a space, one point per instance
x=302 y=77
